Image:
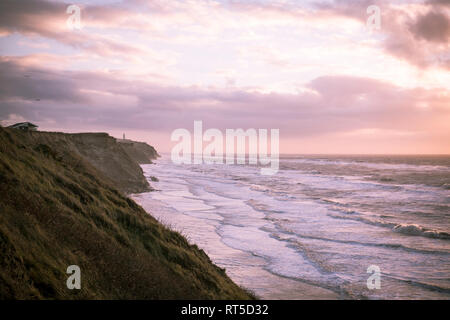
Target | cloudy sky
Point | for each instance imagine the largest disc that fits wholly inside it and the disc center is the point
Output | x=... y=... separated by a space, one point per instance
x=312 y=69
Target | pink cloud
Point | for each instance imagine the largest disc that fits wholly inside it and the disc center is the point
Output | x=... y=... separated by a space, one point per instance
x=415 y=32
x=339 y=105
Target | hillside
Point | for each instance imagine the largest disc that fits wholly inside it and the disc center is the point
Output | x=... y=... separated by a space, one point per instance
x=140 y=152
x=58 y=210
x=118 y=162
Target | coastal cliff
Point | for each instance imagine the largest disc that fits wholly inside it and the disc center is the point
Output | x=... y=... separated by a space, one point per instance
x=60 y=206
x=140 y=152
x=118 y=162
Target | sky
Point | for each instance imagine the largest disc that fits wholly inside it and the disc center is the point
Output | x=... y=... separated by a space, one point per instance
x=313 y=69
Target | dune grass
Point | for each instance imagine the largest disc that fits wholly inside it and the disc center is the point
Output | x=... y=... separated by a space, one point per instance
x=57 y=210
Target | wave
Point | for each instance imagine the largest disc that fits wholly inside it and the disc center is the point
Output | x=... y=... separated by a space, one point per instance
x=417 y=230
x=352 y=242
x=367 y=164
x=424 y=285
x=407 y=229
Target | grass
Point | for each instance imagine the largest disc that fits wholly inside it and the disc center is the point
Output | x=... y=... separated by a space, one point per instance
x=57 y=210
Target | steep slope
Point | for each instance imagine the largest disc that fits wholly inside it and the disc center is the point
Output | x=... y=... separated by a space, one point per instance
x=57 y=210
x=104 y=153
x=140 y=152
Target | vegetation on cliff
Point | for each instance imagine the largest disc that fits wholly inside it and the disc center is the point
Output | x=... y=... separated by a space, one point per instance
x=118 y=162
x=57 y=210
x=140 y=152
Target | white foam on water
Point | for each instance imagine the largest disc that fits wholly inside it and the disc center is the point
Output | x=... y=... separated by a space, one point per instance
x=319 y=229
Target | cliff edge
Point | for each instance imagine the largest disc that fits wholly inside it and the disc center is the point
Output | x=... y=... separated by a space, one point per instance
x=118 y=162
x=58 y=209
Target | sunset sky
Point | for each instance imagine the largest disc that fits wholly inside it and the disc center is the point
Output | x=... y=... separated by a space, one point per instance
x=312 y=69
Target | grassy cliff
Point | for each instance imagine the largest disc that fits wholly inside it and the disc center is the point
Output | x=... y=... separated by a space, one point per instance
x=57 y=209
x=116 y=161
x=140 y=152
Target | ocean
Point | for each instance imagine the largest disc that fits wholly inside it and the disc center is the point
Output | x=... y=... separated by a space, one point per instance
x=312 y=230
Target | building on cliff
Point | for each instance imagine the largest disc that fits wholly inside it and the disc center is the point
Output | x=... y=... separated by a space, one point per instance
x=26 y=126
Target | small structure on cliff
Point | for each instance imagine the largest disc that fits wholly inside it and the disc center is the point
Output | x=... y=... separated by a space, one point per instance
x=26 y=126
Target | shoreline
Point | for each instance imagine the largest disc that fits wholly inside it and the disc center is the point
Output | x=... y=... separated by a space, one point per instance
x=290 y=240
x=242 y=267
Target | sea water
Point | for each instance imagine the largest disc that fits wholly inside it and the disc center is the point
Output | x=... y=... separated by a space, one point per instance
x=312 y=230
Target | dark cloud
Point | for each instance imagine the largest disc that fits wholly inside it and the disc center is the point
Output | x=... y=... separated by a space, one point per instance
x=439 y=2
x=30 y=16
x=48 y=19
x=432 y=26
x=422 y=40
x=333 y=104
x=35 y=84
